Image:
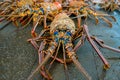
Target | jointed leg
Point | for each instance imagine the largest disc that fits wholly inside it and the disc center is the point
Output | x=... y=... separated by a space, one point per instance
x=45 y=24
x=41 y=59
x=56 y=53
x=102 y=16
x=78 y=34
x=106 y=64
x=71 y=55
x=1 y=19
x=41 y=55
x=79 y=20
x=79 y=43
x=50 y=52
x=34 y=43
x=39 y=36
x=33 y=40
x=35 y=23
x=101 y=43
x=80 y=68
x=5 y=25
x=65 y=65
x=39 y=66
x=24 y=21
x=16 y=23
x=58 y=59
x=27 y=22
x=106 y=20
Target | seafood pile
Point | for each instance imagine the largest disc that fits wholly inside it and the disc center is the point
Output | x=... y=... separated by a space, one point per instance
x=62 y=31
x=108 y=5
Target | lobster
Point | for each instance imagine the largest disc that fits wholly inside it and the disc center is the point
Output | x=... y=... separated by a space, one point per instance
x=23 y=12
x=80 y=7
x=62 y=32
x=108 y=5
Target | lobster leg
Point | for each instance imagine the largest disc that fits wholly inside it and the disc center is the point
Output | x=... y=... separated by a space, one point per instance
x=29 y=20
x=5 y=25
x=106 y=20
x=34 y=27
x=5 y=4
x=101 y=44
x=77 y=34
x=6 y=10
x=71 y=54
x=105 y=15
x=106 y=64
x=39 y=36
x=49 y=52
x=60 y=60
x=102 y=16
x=96 y=19
x=39 y=66
x=56 y=53
x=15 y=22
x=79 y=66
x=41 y=58
x=79 y=21
x=25 y=20
x=1 y=19
x=45 y=24
x=65 y=65
x=80 y=43
x=33 y=42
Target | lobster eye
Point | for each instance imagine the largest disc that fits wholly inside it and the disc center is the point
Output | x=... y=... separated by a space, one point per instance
x=68 y=33
x=56 y=33
x=42 y=10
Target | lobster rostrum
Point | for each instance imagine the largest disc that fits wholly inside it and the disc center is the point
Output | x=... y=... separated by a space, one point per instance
x=24 y=13
x=79 y=8
x=62 y=31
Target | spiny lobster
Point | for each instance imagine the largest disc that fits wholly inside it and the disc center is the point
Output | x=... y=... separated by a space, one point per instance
x=62 y=32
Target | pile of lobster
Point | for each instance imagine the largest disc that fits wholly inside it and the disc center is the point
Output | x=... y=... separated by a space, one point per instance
x=61 y=31
x=108 y=5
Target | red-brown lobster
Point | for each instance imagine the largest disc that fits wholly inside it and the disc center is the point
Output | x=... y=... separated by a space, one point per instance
x=108 y=5
x=23 y=12
x=80 y=8
x=62 y=32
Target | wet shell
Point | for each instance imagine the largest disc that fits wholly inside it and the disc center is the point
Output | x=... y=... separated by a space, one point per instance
x=52 y=8
x=77 y=4
x=62 y=21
